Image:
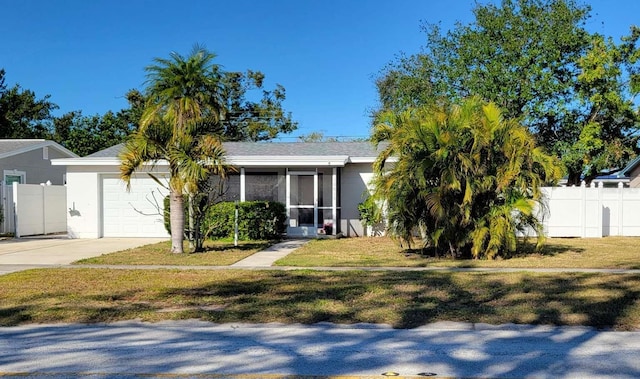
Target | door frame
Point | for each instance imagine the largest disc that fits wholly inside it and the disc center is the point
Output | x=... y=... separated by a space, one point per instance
x=300 y=230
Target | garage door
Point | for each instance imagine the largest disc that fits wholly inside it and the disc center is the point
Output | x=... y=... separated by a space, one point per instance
x=137 y=213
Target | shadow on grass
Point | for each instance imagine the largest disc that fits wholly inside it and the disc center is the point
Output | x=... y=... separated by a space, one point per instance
x=409 y=300
x=524 y=249
x=229 y=246
x=528 y=248
x=402 y=299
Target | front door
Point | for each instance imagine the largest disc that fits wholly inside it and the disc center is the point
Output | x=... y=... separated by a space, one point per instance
x=302 y=199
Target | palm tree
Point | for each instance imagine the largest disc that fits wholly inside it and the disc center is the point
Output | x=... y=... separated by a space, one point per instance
x=184 y=95
x=466 y=180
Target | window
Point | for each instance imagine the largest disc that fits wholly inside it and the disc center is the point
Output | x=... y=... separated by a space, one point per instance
x=263 y=186
x=14 y=176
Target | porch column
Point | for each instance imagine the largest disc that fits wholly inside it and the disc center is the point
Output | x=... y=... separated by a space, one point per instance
x=315 y=202
x=334 y=199
x=242 y=185
x=288 y=196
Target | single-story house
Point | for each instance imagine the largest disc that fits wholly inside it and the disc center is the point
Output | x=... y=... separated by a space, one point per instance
x=28 y=161
x=320 y=183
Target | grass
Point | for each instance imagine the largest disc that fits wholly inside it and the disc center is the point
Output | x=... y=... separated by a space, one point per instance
x=608 y=252
x=401 y=299
x=217 y=253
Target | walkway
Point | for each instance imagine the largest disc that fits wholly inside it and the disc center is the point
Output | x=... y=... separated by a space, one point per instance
x=270 y=255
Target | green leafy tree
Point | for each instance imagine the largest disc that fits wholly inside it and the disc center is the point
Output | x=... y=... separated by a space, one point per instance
x=184 y=96
x=253 y=120
x=537 y=62
x=466 y=179
x=87 y=134
x=22 y=114
x=316 y=137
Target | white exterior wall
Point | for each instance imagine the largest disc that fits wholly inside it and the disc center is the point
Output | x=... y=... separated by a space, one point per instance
x=84 y=202
x=355 y=179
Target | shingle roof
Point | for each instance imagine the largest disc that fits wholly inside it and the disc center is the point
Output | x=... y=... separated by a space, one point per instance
x=110 y=152
x=9 y=147
x=284 y=149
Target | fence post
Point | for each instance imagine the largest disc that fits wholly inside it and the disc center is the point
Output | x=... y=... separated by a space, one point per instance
x=620 y=209
x=600 y=201
x=583 y=209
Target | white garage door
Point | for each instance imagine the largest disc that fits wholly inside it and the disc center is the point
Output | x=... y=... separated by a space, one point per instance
x=137 y=213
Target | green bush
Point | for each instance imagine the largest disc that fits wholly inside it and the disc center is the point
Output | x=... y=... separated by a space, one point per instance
x=257 y=220
x=219 y=220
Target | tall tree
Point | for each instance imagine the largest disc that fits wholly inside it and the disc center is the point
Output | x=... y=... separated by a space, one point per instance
x=466 y=179
x=184 y=96
x=22 y=114
x=253 y=112
x=87 y=134
x=536 y=60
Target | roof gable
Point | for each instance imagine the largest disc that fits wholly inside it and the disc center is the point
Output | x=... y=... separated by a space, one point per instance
x=11 y=147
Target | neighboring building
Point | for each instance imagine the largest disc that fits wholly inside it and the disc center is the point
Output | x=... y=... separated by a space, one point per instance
x=321 y=184
x=632 y=173
x=28 y=161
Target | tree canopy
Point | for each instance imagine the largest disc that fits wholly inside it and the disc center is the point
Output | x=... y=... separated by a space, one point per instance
x=248 y=111
x=22 y=114
x=467 y=179
x=536 y=61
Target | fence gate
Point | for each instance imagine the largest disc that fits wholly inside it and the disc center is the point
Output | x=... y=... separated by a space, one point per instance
x=8 y=223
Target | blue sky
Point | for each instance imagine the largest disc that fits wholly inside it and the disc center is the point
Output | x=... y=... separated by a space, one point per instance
x=87 y=53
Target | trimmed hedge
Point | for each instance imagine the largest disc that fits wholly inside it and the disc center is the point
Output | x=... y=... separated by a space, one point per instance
x=257 y=220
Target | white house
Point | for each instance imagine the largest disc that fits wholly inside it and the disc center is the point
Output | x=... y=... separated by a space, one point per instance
x=321 y=184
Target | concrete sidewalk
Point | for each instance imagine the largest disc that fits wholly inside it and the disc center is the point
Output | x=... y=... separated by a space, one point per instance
x=268 y=256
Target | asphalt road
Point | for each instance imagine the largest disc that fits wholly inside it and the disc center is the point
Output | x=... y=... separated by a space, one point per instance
x=198 y=349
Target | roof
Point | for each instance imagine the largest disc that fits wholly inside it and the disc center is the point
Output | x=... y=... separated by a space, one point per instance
x=333 y=154
x=631 y=166
x=10 y=147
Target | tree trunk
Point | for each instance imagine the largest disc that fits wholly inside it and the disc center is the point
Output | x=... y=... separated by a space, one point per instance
x=573 y=179
x=192 y=247
x=176 y=217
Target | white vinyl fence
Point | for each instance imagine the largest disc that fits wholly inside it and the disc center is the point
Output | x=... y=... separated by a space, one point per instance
x=32 y=209
x=592 y=211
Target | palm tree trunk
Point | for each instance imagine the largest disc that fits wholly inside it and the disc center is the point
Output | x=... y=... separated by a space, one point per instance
x=192 y=246
x=176 y=217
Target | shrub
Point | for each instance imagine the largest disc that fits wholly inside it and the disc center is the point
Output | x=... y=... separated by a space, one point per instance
x=257 y=220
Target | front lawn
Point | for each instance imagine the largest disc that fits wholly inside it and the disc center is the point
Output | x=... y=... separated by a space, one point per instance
x=401 y=299
x=608 y=252
x=217 y=253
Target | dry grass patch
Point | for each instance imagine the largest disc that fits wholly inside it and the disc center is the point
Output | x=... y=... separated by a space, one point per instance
x=217 y=253
x=608 y=252
x=402 y=299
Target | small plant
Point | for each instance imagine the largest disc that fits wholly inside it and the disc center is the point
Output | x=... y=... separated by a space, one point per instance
x=370 y=215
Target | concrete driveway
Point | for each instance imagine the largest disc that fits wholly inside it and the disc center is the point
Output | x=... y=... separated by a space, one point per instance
x=23 y=253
